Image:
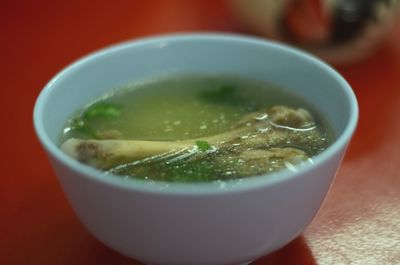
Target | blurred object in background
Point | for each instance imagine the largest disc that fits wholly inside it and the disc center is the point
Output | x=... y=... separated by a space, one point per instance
x=339 y=31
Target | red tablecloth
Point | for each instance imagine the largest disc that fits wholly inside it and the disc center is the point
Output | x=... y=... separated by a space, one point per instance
x=358 y=224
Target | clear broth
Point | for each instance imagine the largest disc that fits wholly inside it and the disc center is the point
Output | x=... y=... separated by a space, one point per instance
x=178 y=108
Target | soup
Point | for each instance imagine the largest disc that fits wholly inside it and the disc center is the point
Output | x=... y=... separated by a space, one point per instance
x=195 y=128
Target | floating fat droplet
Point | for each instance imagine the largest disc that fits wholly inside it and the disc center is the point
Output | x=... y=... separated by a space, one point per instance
x=263 y=130
x=261 y=117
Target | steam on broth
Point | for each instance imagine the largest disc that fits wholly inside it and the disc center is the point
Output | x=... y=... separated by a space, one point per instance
x=195 y=128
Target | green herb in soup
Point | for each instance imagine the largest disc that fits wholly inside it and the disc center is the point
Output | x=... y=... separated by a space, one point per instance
x=196 y=128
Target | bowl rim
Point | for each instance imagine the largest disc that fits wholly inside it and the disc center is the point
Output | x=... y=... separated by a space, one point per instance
x=216 y=187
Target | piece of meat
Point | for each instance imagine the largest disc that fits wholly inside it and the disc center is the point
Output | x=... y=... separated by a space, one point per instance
x=259 y=161
x=277 y=127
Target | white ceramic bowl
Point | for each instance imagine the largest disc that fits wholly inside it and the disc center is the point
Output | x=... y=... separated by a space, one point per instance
x=196 y=224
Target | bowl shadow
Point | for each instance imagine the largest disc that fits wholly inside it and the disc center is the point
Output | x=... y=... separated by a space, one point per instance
x=296 y=252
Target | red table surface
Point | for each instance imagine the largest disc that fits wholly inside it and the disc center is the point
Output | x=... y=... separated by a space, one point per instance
x=358 y=224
